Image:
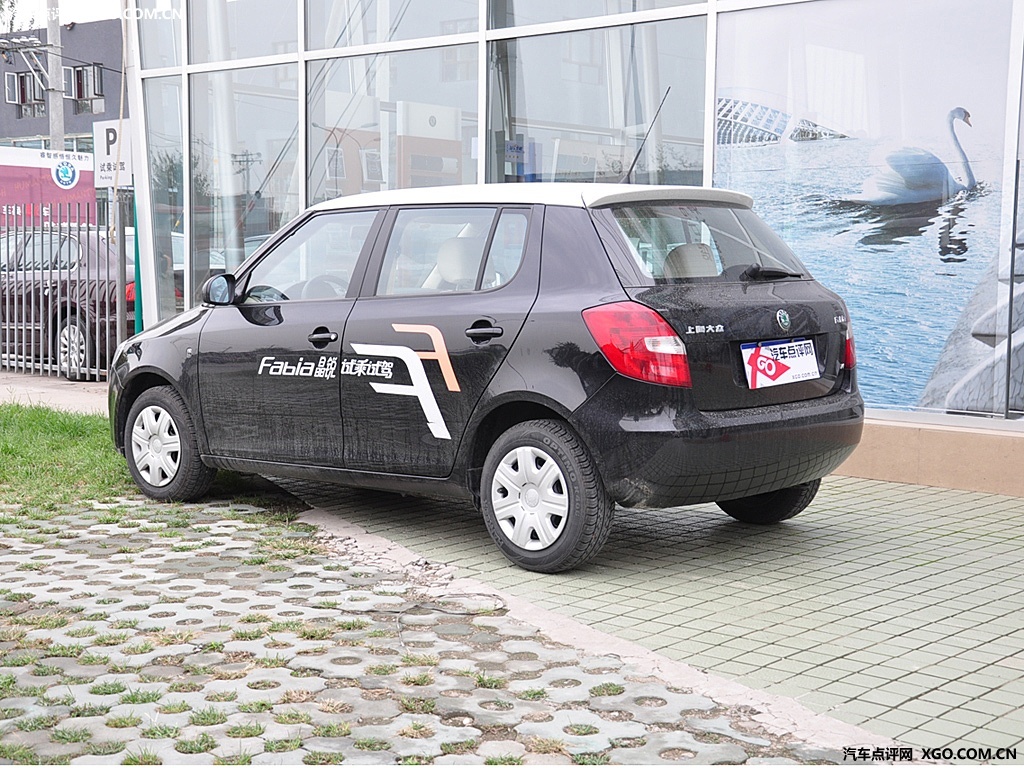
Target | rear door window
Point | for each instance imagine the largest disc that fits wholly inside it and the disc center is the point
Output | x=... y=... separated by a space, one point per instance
x=435 y=250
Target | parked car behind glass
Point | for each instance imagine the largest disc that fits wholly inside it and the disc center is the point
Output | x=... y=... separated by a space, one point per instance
x=58 y=298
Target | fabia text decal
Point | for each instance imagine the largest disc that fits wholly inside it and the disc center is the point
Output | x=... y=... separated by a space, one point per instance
x=420 y=386
x=324 y=368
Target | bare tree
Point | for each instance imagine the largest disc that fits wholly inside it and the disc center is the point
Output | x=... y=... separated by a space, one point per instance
x=9 y=19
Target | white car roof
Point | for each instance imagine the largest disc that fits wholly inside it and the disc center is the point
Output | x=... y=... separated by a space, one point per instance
x=577 y=195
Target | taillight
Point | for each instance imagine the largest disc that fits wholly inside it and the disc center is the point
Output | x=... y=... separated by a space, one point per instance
x=850 y=354
x=129 y=293
x=637 y=342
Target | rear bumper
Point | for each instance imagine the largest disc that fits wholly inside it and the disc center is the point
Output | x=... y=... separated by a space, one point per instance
x=655 y=449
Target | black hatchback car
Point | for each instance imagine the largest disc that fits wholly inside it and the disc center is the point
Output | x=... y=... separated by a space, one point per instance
x=544 y=350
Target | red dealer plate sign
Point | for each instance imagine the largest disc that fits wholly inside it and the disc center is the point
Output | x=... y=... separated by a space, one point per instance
x=779 y=362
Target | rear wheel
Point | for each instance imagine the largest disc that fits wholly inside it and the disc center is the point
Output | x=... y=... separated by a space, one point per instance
x=772 y=507
x=74 y=354
x=161 y=448
x=543 y=501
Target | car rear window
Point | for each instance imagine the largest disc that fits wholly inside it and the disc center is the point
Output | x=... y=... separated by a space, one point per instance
x=674 y=243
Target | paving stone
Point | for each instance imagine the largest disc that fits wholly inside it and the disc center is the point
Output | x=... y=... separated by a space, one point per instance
x=721 y=725
x=206 y=591
x=99 y=759
x=681 y=748
x=501 y=748
x=564 y=724
x=812 y=754
x=457 y=760
x=653 y=703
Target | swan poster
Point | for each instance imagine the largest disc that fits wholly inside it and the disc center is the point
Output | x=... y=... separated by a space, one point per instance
x=871 y=136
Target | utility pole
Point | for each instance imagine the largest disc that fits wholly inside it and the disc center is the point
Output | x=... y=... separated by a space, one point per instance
x=55 y=76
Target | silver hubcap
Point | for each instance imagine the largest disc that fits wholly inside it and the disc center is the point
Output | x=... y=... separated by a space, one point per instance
x=156 y=446
x=71 y=347
x=529 y=498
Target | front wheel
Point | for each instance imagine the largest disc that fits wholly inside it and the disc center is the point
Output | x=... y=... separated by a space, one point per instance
x=772 y=507
x=161 y=448
x=543 y=501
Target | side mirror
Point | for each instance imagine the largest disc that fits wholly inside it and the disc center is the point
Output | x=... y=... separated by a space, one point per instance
x=219 y=290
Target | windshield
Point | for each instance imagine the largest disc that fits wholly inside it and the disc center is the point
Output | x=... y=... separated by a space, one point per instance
x=673 y=243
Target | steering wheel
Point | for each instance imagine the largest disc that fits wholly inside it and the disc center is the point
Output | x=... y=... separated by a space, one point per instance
x=324 y=287
x=267 y=293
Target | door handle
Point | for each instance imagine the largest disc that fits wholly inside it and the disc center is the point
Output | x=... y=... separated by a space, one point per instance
x=321 y=337
x=482 y=331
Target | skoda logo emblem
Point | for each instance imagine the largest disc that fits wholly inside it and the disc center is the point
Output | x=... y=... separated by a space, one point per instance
x=782 y=316
x=65 y=175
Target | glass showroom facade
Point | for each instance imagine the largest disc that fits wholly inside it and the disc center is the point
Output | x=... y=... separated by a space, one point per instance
x=880 y=139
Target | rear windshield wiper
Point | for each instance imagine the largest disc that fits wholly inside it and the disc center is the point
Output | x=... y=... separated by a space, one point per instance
x=757 y=272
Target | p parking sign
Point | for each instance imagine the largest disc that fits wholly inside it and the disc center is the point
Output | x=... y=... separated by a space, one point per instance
x=112 y=153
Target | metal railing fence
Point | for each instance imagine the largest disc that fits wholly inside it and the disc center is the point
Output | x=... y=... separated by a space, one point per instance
x=65 y=300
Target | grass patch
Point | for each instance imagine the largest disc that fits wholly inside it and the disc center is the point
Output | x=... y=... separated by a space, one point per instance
x=18 y=754
x=607 y=689
x=323 y=758
x=292 y=717
x=161 y=732
x=417 y=730
x=242 y=758
x=37 y=723
x=108 y=688
x=271 y=662
x=417 y=706
x=421 y=679
x=332 y=730
x=590 y=758
x=352 y=624
x=174 y=708
x=459 y=747
x=252 y=707
x=486 y=681
x=89 y=710
x=580 y=729
x=533 y=694
x=141 y=697
x=204 y=743
x=76 y=450
x=207 y=717
x=246 y=730
x=372 y=745
x=103 y=748
x=142 y=757
x=70 y=735
x=282 y=745
x=420 y=660
x=124 y=721
x=185 y=686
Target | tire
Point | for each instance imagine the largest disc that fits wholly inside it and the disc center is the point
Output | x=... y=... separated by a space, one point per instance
x=161 y=448
x=73 y=351
x=773 y=507
x=542 y=499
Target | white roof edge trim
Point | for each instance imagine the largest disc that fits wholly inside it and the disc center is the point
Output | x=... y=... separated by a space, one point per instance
x=578 y=195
